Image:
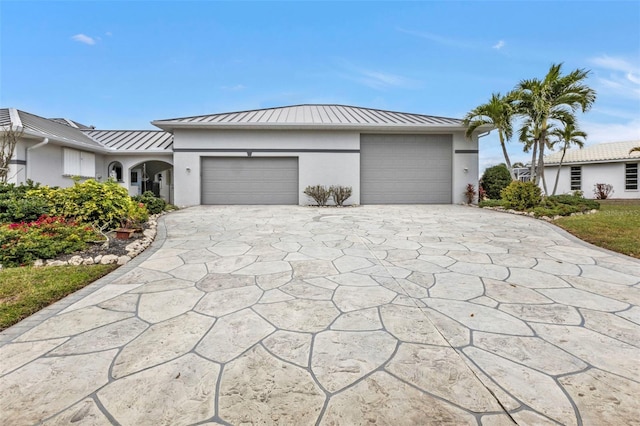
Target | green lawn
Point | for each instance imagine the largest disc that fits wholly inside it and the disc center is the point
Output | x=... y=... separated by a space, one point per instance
x=26 y=290
x=615 y=227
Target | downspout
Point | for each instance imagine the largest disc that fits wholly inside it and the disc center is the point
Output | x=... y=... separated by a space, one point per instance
x=36 y=146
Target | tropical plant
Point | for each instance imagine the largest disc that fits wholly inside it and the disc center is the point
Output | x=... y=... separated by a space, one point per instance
x=495 y=179
x=470 y=193
x=602 y=190
x=499 y=113
x=340 y=194
x=319 y=193
x=636 y=149
x=541 y=103
x=568 y=135
x=521 y=195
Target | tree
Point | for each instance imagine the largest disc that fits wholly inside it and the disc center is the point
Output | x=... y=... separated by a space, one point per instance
x=636 y=149
x=8 y=141
x=499 y=113
x=495 y=179
x=566 y=136
x=544 y=102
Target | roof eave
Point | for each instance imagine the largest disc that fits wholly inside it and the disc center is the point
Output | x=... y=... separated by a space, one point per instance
x=171 y=126
x=65 y=141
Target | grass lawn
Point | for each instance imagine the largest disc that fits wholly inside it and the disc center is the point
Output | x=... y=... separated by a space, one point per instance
x=26 y=290
x=615 y=227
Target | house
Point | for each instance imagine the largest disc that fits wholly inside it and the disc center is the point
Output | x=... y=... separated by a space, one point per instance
x=608 y=163
x=265 y=156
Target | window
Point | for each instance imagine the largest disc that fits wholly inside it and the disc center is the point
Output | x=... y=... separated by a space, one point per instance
x=134 y=177
x=576 y=178
x=79 y=163
x=115 y=171
x=631 y=176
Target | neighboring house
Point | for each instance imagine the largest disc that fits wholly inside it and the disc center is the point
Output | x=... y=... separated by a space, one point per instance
x=582 y=169
x=266 y=156
x=54 y=151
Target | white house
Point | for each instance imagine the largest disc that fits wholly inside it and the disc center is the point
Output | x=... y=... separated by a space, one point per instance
x=608 y=163
x=266 y=156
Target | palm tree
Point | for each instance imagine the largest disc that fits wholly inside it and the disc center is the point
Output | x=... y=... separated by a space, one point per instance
x=636 y=149
x=555 y=98
x=498 y=112
x=568 y=135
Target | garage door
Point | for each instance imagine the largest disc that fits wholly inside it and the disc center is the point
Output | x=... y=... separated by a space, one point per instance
x=405 y=169
x=233 y=180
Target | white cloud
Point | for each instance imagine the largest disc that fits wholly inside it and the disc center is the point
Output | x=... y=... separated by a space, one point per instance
x=619 y=76
x=499 y=45
x=447 y=41
x=81 y=38
x=235 y=88
x=599 y=132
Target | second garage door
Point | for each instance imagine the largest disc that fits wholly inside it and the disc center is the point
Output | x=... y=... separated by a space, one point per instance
x=405 y=169
x=254 y=180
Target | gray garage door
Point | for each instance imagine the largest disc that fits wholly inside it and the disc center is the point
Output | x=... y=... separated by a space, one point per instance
x=405 y=169
x=232 y=180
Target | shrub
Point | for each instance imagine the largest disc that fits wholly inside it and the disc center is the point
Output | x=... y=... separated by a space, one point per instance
x=470 y=193
x=103 y=204
x=494 y=180
x=15 y=206
x=319 y=193
x=564 y=205
x=135 y=216
x=45 y=238
x=153 y=204
x=521 y=195
x=490 y=203
x=340 y=194
x=602 y=190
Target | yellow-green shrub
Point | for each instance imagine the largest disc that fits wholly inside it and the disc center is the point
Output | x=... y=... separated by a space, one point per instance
x=521 y=195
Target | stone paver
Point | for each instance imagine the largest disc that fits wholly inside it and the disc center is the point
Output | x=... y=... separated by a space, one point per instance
x=396 y=315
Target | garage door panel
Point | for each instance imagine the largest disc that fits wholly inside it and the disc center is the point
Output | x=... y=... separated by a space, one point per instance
x=255 y=180
x=405 y=169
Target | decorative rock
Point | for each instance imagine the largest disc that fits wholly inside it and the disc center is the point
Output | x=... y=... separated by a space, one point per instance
x=123 y=260
x=38 y=263
x=56 y=263
x=88 y=261
x=108 y=259
x=97 y=259
x=149 y=233
x=75 y=260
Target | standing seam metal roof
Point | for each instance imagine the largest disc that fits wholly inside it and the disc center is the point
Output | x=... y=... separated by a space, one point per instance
x=316 y=114
x=48 y=128
x=133 y=140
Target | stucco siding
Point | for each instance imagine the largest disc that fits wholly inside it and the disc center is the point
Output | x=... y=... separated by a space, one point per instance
x=610 y=173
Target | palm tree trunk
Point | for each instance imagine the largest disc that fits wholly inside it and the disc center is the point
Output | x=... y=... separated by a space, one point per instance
x=533 y=178
x=555 y=185
x=543 y=143
x=506 y=156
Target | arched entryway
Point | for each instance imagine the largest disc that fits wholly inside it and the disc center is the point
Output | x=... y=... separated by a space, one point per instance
x=155 y=176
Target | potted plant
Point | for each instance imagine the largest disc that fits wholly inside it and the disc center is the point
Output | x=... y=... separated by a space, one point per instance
x=132 y=222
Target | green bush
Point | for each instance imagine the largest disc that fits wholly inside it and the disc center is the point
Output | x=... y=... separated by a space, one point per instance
x=564 y=205
x=15 y=206
x=521 y=195
x=153 y=204
x=490 y=203
x=105 y=204
x=46 y=238
x=494 y=180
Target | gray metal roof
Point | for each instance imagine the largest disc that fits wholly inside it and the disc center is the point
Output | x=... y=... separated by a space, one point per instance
x=133 y=140
x=71 y=123
x=322 y=116
x=603 y=152
x=5 y=117
x=40 y=126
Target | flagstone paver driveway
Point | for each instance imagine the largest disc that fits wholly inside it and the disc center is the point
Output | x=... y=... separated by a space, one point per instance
x=369 y=315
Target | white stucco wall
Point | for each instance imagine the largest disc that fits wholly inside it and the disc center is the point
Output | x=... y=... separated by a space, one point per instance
x=323 y=168
x=611 y=173
x=315 y=168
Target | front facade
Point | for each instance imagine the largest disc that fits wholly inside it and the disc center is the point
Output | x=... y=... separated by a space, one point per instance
x=266 y=156
x=606 y=163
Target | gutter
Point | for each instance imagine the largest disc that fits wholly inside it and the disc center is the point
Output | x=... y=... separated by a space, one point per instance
x=36 y=146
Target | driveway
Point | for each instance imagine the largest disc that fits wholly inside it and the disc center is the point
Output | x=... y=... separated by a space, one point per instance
x=367 y=315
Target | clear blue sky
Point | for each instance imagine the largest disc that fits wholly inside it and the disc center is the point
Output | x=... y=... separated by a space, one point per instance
x=121 y=64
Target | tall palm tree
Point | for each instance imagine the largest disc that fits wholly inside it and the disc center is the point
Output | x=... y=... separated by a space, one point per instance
x=499 y=113
x=567 y=136
x=555 y=98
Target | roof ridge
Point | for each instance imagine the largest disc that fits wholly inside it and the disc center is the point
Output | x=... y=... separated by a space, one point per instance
x=302 y=105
